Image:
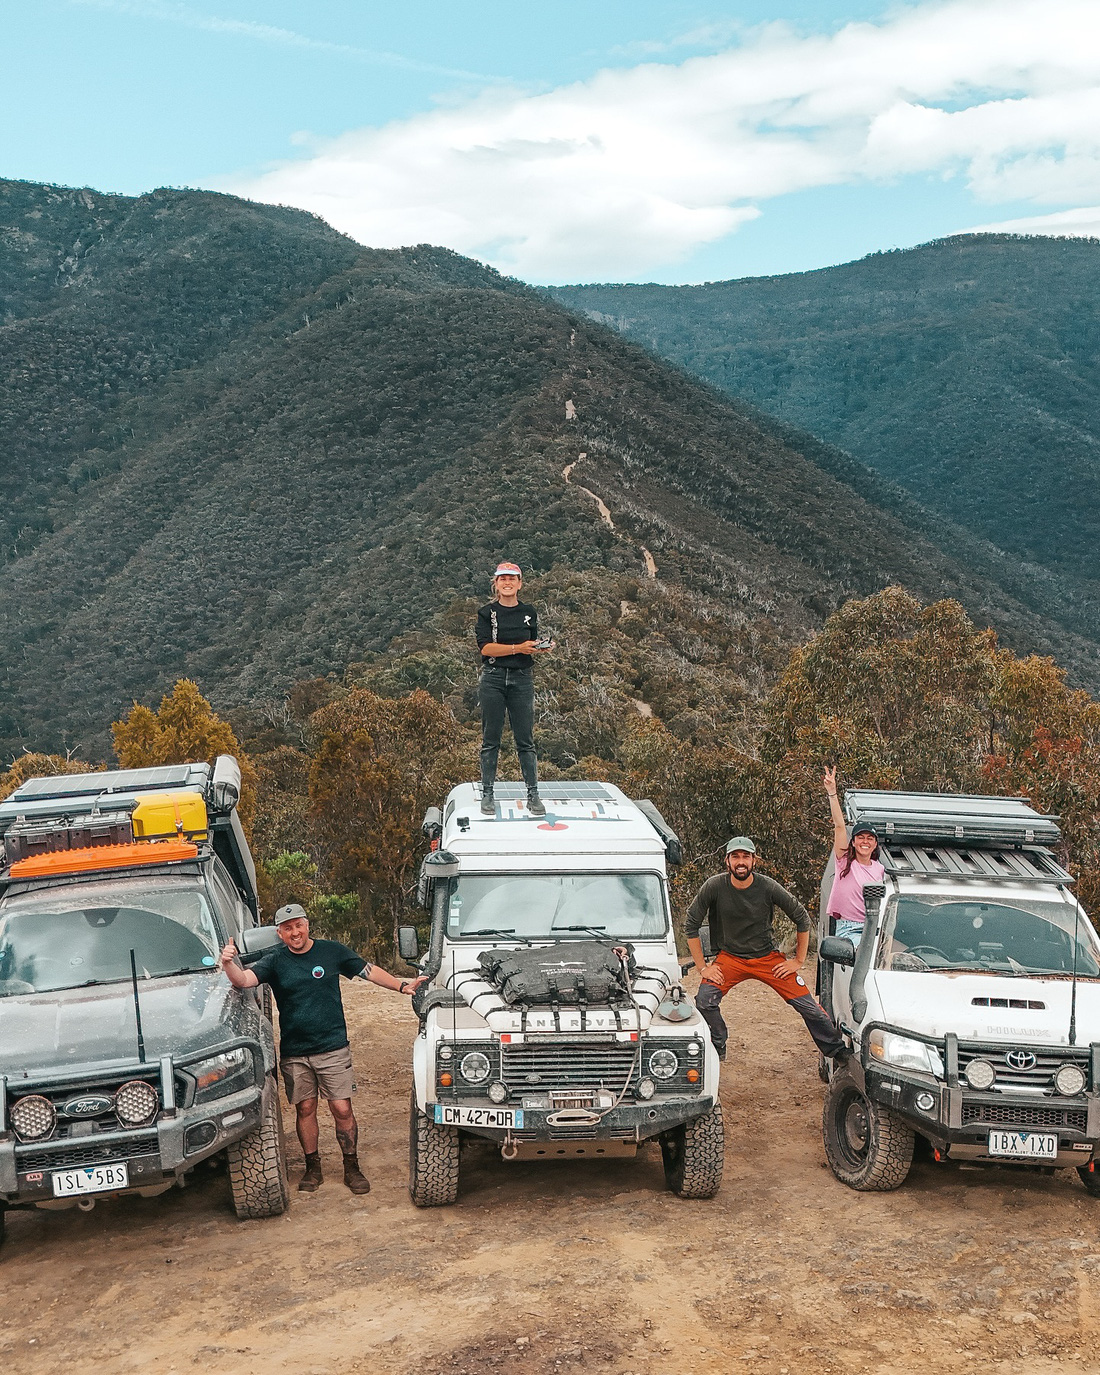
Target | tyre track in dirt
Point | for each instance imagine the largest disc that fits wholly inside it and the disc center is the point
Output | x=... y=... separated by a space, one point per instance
x=558 y=1269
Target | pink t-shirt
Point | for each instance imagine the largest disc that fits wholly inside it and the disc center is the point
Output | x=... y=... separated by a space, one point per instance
x=846 y=899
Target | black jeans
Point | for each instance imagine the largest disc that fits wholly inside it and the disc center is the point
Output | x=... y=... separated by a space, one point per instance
x=510 y=690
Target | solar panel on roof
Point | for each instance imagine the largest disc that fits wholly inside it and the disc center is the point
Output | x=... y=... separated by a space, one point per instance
x=120 y=780
x=556 y=792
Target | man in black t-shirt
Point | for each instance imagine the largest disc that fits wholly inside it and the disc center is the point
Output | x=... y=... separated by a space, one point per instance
x=508 y=640
x=740 y=905
x=304 y=976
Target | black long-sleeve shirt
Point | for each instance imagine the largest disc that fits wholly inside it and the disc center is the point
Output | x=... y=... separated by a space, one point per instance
x=507 y=625
x=741 y=918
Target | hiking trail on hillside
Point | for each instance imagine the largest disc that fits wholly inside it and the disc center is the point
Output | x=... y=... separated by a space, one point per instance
x=605 y=515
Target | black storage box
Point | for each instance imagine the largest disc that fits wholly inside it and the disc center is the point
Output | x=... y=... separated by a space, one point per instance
x=38 y=837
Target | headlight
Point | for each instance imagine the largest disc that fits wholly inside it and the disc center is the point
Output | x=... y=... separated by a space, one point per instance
x=980 y=1074
x=1070 y=1080
x=498 y=1093
x=211 y=1074
x=474 y=1067
x=646 y=1088
x=904 y=1052
x=663 y=1064
x=136 y=1103
x=33 y=1117
x=444 y=1052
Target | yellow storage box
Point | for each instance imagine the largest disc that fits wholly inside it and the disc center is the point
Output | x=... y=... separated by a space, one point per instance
x=160 y=815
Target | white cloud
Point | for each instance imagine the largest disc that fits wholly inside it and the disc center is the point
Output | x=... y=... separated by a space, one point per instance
x=635 y=168
x=1083 y=223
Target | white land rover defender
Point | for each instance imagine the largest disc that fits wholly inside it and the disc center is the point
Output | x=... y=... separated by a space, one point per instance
x=972 y=997
x=554 y=1022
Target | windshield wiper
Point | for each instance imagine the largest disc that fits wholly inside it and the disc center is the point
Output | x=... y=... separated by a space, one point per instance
x=497 y=931
x=592 y=930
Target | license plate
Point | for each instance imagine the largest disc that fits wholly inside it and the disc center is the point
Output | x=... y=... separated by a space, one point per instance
x=1024 y=1145
x=478 y=1117
x=92 y=1179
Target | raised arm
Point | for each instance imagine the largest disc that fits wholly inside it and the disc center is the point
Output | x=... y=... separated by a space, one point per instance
x=840 y=829
x=237 y=976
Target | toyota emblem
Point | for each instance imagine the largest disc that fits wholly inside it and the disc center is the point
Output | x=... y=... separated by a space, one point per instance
x=1020 y=1059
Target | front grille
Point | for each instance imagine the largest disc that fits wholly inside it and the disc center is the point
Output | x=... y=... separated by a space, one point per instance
x=1024 y=1115
x=1040 y=1075
x=599 y=1064
x=63 y=1157
x=579 y=1133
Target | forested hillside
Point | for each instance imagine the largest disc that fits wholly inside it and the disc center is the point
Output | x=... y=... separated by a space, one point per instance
x=244 y=450
x=967 y=371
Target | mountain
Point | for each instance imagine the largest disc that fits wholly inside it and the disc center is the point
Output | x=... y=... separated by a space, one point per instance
x=243 y=449
x=967 y=371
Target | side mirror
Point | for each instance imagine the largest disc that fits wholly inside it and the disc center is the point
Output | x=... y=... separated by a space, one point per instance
x=408 y=947
x=256 y=941
x=836 y=950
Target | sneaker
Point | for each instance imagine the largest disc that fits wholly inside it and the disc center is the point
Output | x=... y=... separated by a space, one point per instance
x=535 y=805
x=488 y=802
x=312 y=1180
x=354 y=1177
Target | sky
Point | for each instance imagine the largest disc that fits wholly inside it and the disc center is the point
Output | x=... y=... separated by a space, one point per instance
x=611 y=140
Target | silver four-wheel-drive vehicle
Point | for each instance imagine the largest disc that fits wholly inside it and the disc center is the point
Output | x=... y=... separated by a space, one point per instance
x=126 y=1057
x=972 y=998
x=554 y=1023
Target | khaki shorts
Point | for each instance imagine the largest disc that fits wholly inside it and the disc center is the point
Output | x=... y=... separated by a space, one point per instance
x=318 y=1076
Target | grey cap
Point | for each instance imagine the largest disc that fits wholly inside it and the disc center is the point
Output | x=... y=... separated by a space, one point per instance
x=291 y=912
x=740 y=843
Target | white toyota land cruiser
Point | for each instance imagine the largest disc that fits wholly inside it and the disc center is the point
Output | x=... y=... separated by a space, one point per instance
x=554 y=1022
x=972 y=998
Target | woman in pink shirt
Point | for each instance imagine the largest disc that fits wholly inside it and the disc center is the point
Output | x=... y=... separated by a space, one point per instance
x=857 y=864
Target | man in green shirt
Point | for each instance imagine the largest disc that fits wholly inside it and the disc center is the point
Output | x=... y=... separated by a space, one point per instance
x=739 y=906
x=304 y=975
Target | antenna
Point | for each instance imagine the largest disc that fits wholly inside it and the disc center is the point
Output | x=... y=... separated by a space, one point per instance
x=1073 y=991
x=454 y=998
x=137 y=1006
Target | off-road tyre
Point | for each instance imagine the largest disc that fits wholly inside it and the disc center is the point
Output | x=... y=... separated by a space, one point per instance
x=694 y=1154
x=1090 y=1179
x=869 y=1147
x=433 y=1160
x=3 y=1223
x=823 y=1069
x=257 y=1166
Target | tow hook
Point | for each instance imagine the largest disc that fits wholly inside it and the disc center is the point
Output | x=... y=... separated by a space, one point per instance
x=85 y=1204
x=510 y=1148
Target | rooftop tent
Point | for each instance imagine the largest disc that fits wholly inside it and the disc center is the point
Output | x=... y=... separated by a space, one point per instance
x=951 y=818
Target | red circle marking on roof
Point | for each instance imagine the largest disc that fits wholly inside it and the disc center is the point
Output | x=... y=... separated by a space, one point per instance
x=553 y=826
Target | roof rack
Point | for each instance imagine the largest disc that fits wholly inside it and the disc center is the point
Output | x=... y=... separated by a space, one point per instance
x=951 y=819
x=981 y=865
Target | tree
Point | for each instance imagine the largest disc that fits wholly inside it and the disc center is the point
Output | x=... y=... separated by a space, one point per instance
x=39 y=766
x=185 y=729
x=379 y=763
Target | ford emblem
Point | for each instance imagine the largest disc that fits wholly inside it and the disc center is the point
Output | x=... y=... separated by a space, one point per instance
x=91 y=1105
x=1020 y=1059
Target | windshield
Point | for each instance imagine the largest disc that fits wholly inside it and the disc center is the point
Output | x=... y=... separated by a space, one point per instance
x=70 y=937
x=1022 y=937
x=558 y=906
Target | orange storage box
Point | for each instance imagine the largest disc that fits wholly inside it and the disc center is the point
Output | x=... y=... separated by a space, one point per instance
x=159 y=815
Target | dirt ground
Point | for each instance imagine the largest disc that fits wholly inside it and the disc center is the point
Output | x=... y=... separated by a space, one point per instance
x=560 y=1268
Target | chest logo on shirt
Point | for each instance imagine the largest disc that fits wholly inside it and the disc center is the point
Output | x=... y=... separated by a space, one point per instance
x=318 y=971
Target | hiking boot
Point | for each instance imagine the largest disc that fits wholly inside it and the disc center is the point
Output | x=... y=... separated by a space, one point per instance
x=354 y=1177
x=488 y=804
x=313 y=1178
x=535 y=804
x=720 y=1051
x=841 y=1058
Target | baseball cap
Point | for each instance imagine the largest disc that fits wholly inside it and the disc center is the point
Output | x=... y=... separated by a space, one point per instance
x=864 y=828
x=741 y=843
x=512 y=568
x=291 y=912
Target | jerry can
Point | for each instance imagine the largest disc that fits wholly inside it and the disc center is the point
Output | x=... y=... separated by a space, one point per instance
x=163 y=815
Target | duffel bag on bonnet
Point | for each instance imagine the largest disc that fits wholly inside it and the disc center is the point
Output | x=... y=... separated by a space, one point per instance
x=580 y=973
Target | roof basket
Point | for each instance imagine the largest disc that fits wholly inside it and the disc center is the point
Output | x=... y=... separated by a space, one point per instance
x=950 y=819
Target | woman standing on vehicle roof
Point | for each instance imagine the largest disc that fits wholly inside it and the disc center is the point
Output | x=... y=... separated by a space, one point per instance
x=508 y=639
x=857 y=864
